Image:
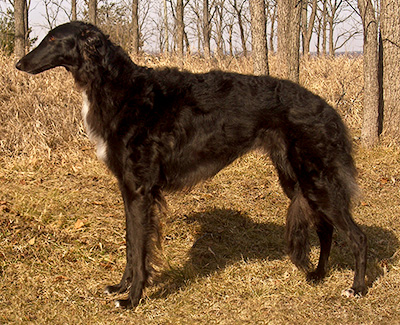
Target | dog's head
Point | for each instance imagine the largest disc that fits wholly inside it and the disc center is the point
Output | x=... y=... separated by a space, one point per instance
x=68 y=45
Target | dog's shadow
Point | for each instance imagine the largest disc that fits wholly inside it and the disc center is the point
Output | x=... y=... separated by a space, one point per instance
x=223 y=237
x=228 y=236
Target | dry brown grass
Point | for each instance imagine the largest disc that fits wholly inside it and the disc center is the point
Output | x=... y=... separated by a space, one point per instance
x=62 y=224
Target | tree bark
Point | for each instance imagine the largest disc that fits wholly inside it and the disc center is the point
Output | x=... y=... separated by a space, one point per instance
x=324 y=24
x=370 y=124
x=307 y=26
x=390 y=28
x=238 y=10
x=331 y=28
x=26 y=27
x=93 y=11
x=166 y=26
x=20 y=32
x=206 y=29
x=259 y=50
x=73 y=10
x=180 y=29
x=135 y=27
x=219 y=21
x=289 y=38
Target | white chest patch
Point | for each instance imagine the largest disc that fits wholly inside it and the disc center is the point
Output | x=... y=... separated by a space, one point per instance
x=101 y=144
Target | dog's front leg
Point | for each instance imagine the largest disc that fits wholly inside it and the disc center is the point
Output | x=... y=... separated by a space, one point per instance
x=138 y=209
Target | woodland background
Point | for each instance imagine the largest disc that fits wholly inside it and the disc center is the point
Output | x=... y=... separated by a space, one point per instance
x=61 y=216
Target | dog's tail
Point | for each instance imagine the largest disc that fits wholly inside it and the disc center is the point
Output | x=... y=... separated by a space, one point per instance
x=297 y=223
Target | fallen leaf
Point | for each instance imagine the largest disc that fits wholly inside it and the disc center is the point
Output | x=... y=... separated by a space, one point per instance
x=32 y=241
x=60 y=278
x=384 y=180
x=79 y=224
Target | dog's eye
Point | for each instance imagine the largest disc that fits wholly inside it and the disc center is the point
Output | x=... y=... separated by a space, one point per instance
x=52 y=39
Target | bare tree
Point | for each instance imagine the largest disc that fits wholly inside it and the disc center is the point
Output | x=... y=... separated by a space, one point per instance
x=21 y=31
x=320 y=26
x=238 y=6
x=206 y=29
x=390 y=27
x=289 y=38
x=259 y=49
x=324 y=25
x=93 y=11
x=338 y=13
x=180 y=29
x=230 y=25
x=219 y=27
x=307 y=25
x=166 y=31
x=52 y=11
x=135 y=27
x=73 y=10
x=370 y=125
x=333 y=6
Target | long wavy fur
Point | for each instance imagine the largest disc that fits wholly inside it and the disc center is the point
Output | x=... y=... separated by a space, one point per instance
x=163 y=130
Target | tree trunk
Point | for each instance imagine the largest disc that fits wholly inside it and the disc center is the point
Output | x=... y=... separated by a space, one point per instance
x=307 y=26
x=206 y=29
x=187 y=43
x=241 y=28
x=166 y=48
x=26 y=27
x=19 y=12
x=230 y=39
x=370 y=124
x=324 y=24
x=390 y=28
x=289 y=38
x=73 y=10
x=135 y=27
x=259 y=50
x=180 y=29
x=331 y=28
x=93 y=11
x=219 y=29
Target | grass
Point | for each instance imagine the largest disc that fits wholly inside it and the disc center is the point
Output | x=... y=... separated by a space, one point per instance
x=224 y=261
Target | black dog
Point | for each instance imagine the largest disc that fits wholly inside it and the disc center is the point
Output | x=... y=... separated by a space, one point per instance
x=163 y=130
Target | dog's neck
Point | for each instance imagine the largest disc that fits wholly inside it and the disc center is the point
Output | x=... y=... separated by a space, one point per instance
x=111 y=84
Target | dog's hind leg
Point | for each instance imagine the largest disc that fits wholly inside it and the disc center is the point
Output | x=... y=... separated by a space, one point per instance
x=298 y=215
x=297 y=224
x=332 y=201
x=324 y=232
x=358 y=243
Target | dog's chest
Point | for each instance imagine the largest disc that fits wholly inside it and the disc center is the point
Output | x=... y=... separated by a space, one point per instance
x=101 y=144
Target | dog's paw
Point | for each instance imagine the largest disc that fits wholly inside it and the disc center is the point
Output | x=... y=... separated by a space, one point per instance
x=351 y=293
x=112 y=289
x=348 y=293
x=315 y=277
x=126 y=303
x=122 y=303
x=109 y=290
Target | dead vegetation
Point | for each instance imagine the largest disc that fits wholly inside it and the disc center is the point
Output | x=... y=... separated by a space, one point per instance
x=62 y=224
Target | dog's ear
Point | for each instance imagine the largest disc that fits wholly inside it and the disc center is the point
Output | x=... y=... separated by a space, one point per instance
x=92 y=42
